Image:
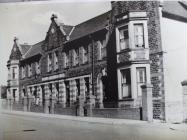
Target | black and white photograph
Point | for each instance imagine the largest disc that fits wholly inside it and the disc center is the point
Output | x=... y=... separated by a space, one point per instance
x=93 y=70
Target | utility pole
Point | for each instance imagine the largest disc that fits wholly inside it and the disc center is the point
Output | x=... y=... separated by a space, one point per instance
x=93 y=63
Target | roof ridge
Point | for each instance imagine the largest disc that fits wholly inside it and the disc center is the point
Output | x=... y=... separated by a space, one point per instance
x=93 y=18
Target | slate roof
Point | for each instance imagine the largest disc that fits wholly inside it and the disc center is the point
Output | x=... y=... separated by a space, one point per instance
x=15 y=52
x=90 y=26
x=34 y=50
x=67 y=28
x=24 y=48
x=175 y=9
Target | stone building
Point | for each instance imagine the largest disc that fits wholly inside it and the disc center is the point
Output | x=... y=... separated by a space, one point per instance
x=103 y=61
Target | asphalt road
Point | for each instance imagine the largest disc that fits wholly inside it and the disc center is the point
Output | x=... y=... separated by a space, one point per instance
x=16 y=127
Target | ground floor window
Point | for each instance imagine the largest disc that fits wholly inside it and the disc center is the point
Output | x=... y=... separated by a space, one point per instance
x=67 y=93
x=141 y=78
x=14 y=93
x=126 y=83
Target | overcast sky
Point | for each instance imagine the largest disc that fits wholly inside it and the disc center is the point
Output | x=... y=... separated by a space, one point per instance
x=30 y=22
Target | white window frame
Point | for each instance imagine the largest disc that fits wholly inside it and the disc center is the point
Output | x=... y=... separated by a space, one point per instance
x=124 y=84
x=37 y=67
x=118 y=28
x=85 y=55
x=67 y=59
x=144 y=80
x=131 y=34
x=76 y=57
x=99 y=46
x=49 y=61
x=56 y=63
x=132 y=25
x=30 y=70
x=23 y=71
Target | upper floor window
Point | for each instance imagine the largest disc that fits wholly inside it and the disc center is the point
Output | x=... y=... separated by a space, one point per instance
x=103 y=49
x=123 y=38
x=49 y=62
x=14 y=73
x=76 y=57
x=85 y=54
x=99 y=47
x=56 y=61
x=29 y=70
x=66 y=59
x=23 y=71
x=139 y=35
x=37 y=67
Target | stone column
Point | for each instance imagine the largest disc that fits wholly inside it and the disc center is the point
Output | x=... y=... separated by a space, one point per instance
x=90 y=105
x=81 y=102
x=99 y=93
x=37 y=95
x=25 y=103
x=46 y=103
x=9 y=100
x=62 y=93
x=72 y=92
x=147 y=103
x=30 y=98
x=184 y=91
x=53 y=98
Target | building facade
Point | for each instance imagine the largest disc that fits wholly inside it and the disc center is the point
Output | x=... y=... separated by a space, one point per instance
x=105 y=59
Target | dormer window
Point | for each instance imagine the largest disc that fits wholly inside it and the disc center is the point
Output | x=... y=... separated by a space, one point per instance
x=139 y=35
x=56 y=61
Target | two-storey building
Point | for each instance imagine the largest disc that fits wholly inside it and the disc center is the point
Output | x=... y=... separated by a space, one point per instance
x=107 y=59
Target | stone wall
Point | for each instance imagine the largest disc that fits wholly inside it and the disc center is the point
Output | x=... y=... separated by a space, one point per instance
x=126 y=113
x=17 y=106
x=64 y=111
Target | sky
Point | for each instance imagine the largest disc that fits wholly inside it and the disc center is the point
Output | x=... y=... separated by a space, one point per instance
x=29 y=21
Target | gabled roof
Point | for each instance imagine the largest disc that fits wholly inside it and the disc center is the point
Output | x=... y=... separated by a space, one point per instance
x=175 y=9
x=90 y=26
x=34 y=50
x=15 y=52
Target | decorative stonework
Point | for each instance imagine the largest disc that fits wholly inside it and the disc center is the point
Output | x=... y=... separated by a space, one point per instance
x=123 y=57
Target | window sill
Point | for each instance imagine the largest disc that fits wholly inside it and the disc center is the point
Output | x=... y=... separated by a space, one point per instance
x=126 y=99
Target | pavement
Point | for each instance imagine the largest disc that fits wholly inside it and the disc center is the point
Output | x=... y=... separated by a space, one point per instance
x=110 y=121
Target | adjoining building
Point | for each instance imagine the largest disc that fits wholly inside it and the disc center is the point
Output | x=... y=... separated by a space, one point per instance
x=107 y=59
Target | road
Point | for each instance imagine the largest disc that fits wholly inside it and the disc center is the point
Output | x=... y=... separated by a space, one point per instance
x=17 y=127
